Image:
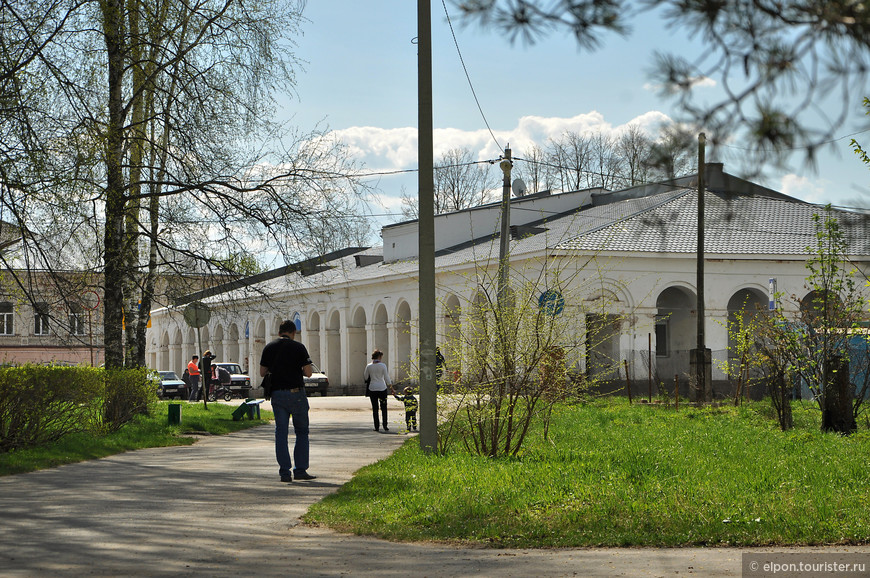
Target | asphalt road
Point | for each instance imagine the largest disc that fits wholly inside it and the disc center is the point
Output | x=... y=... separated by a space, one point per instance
x=216 y=508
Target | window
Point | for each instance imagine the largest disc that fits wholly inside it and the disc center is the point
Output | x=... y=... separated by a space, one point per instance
x=76 y=320
x=40 y=319
x=6 y=324
x=662 y=338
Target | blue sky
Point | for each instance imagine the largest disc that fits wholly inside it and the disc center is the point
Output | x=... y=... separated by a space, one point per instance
x=360 y=80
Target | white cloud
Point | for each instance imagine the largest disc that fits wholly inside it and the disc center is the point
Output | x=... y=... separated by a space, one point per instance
x=388 y=149
x=804 y=189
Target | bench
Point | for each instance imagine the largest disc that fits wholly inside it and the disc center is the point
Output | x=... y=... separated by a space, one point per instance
x=249 y=408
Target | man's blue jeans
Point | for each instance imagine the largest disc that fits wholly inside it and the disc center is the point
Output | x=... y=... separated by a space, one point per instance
x=285 y=404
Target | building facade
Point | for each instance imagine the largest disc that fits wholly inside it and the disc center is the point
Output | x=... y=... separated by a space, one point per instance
x=618 y=267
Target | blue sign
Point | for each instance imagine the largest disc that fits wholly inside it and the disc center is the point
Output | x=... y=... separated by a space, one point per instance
x=771 y=294
x=551 y=302
x=297 y=319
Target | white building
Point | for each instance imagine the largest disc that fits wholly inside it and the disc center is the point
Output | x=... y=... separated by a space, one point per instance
x=625 y=260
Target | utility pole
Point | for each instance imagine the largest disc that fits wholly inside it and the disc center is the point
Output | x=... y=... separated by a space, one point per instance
x=505 y=235
x=426 y=230
x=701 y=359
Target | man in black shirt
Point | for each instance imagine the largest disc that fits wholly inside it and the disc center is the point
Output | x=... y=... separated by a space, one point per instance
x=289 y=364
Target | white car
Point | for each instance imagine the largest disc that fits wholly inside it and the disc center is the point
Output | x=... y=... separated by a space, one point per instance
x=318 y=382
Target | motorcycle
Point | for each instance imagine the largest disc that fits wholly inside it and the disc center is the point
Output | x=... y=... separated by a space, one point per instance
x=220 y=390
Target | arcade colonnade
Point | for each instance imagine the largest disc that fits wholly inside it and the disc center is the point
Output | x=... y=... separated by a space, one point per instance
x=652 y=333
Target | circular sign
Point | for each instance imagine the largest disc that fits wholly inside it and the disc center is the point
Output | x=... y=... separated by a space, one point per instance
x=90 y=300
x=197 y=314
x=551 y=302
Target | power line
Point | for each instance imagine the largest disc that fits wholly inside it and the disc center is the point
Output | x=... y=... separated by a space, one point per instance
x=468 y=77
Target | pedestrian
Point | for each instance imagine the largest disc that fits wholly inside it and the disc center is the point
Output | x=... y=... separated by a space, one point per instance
x=193 y=371
x=221 y=376
x=378 y=378
x=288 y=364
x=205 y=369
x=439 y=368
x=410 y=403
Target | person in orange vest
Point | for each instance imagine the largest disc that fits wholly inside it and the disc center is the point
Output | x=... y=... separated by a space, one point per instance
x=193 y=371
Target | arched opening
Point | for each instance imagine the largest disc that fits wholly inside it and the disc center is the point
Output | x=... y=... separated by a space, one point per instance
x=218 y=346
x=163 y=353
x=452 y=337
x=259 y=335
x=675 y=332
x=356 y=343
x=312 y=339
x=381 y=332
x=603 y=331
x=403 y=341
x=743 y=306
x=177 y=361
x=477 y=338
x=190 y=345
x=333 y=350
x=231 y=345
x=817 y=305
x=205 y=334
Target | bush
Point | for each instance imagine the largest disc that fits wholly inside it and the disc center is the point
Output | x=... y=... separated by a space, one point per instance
x=41 y=404
x=128 y=393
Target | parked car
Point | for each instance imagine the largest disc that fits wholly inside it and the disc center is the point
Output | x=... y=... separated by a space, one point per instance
x=241 y=384
x=171 y=386
x=318 y=382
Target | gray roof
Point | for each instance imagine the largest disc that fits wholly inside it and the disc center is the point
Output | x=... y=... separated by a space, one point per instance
x=734 y=224
x=663 y=222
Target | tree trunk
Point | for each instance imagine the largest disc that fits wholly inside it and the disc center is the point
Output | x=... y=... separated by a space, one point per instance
x=113 y=34
x=837 y=396
x=786 y=422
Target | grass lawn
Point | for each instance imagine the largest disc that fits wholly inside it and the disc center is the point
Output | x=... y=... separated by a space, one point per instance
x=618 y=475
x=144 y=432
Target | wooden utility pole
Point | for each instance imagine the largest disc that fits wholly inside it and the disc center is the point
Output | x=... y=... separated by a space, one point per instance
x=505 y=235
x=701 y=357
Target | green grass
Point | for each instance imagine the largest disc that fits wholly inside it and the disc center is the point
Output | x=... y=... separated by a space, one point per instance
x=620 y=475
x=144 y=432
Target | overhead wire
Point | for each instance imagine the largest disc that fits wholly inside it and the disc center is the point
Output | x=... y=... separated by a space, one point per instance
x=468 y=76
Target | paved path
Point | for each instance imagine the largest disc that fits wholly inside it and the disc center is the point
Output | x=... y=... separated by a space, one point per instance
x=216 y=509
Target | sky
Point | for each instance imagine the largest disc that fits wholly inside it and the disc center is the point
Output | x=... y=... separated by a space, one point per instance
x=360 y=80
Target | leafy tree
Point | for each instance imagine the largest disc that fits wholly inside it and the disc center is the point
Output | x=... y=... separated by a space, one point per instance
x=779 y=63
x=822 y=342
x=141 y=130
x=512 y=358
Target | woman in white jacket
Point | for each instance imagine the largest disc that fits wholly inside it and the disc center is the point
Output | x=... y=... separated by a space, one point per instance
x=377 y=376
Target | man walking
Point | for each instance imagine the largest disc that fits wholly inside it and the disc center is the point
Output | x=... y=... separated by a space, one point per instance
x=289 y=364
x=193 y=372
